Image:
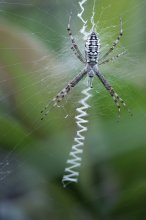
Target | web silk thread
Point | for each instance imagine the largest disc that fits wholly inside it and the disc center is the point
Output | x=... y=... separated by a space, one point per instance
x=83 y=29
x=71 y=174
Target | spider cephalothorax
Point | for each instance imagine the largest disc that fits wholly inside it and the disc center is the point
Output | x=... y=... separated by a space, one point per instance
x=92 y=61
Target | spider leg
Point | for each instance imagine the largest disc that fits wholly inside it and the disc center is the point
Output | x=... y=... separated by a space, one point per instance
x=112 y=59
x=78 y=56
x=74 y=45
x=58 y=98
x=115 y=42
x=117 y=99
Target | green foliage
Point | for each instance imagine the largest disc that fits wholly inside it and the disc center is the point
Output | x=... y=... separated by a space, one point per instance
x=32 y=57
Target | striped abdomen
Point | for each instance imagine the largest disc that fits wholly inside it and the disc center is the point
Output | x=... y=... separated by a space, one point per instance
x=92 y=47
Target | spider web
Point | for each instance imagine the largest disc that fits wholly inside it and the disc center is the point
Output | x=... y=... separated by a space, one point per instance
x=40 y=66
x=37 y=62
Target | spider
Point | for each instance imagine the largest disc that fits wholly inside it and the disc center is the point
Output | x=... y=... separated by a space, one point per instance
x=92 y=61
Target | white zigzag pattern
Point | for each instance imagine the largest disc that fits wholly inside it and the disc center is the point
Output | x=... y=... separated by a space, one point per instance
x=70 y=174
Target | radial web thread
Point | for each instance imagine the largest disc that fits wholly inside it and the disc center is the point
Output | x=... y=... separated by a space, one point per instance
x=71 y=172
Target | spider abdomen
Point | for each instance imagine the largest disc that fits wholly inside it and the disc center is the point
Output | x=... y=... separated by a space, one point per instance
x=92 y=47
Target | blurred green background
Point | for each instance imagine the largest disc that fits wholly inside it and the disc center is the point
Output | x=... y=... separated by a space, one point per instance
x=35 y=63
